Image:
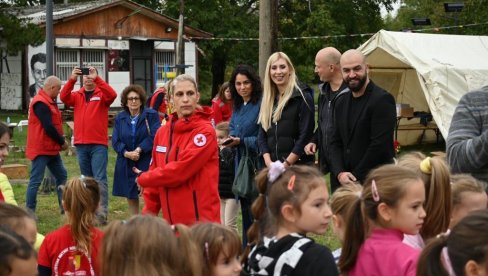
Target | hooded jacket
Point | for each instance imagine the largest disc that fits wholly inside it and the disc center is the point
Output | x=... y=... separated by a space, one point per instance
x=91 y=117
x=185 y=169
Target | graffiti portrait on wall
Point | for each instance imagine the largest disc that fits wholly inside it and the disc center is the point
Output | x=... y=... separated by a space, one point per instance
x=37 y=68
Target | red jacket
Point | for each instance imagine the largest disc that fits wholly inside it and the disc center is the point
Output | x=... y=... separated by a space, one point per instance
x=221 y=111
x=91 y=118
x=38 y=142
x=162 y=109
x=185 y=168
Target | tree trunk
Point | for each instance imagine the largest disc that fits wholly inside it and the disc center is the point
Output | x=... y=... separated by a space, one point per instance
x=219 y=61
x=268 y=32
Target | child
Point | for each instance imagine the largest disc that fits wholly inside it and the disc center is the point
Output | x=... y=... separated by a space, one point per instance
x=340 y=203
x=434 y=172
x=467 y=247
x=146 y=245
x=229 y=206
x=390 y=206
x=17 y=257
x=73 y=248
x=297 y=202
x=468 y=195
x=20 y=221
x=221 y=248
x=6 y=191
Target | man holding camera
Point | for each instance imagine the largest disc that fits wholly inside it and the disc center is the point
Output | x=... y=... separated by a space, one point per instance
x=91 y=104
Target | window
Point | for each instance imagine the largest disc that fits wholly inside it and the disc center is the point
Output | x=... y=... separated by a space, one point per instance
x=164 y=58
x=95 y=58
x=67 y=59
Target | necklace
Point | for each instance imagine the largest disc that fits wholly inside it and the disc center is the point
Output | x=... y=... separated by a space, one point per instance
x=133 y=119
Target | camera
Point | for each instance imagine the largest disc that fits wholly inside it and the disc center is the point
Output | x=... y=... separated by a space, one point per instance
x=85 y=71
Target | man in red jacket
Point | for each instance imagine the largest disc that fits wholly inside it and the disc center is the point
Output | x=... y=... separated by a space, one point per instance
x=44 y=140
x=185 y=162
x=91 y=104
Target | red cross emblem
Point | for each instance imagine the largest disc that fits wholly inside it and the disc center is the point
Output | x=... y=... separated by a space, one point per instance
x=200 y=140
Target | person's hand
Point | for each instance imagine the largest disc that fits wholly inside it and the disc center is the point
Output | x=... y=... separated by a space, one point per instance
x=75 y=73
x=235 y=142
x=346 y=178
x=310 y=149
x=132 y=155
x=64 y=146
x=93 y=73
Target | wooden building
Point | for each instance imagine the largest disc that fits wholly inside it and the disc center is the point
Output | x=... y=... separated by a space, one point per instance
x=127 y=43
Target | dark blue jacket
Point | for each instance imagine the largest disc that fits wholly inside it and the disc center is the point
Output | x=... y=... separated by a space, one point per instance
x=244 y=124
x=122 y=141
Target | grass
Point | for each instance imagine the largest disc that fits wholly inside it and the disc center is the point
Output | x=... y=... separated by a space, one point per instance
x=47 y=207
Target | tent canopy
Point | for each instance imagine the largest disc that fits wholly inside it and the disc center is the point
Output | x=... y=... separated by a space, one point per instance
x=428 y=71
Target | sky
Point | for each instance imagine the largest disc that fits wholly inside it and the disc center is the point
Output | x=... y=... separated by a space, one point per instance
x=393 y=13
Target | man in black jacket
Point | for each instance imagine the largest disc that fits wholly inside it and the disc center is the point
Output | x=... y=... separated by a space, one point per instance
x=364 y=123
x=327 y=67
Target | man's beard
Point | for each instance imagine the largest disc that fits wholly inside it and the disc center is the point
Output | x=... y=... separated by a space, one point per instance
x=359 y=85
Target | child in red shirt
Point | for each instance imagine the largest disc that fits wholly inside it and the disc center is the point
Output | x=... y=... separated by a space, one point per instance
x=74 y=247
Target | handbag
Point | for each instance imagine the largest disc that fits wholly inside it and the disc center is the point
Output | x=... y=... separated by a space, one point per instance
x=244 y=184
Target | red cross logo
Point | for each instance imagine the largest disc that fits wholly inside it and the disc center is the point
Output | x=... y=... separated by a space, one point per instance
x=200 y=140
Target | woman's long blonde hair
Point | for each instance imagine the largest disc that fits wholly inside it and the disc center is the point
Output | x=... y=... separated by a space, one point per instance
x=268 y=114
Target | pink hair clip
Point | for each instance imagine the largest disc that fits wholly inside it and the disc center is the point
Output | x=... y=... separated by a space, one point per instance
x=291 y=183
x=374 y=191
x=206 y=251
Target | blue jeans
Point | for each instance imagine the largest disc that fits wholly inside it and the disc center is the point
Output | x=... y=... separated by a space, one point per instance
x=55 y=165
x=93 y=160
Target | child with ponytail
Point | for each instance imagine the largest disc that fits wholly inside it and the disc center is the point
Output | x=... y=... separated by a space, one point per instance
x=434 y=172
x=340 y=203
x=297 y=202
x=73 y=248
x=221 y=248
x=390 y=206
x=147 y=245
x=467 y=249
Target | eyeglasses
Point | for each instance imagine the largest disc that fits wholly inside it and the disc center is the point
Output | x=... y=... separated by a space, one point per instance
x=133 y=99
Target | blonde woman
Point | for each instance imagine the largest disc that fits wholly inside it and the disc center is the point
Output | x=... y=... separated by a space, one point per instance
x=286 y=115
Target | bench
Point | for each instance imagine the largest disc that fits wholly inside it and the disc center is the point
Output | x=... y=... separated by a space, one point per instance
x=15 y=171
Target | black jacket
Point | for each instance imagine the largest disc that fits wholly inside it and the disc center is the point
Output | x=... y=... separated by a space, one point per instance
x=294 y=129
x=369 y=144
x=226 y=173
x=293 y=254
x=323 y=133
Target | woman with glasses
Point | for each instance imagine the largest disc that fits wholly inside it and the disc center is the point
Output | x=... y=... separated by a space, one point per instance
x=132 y=139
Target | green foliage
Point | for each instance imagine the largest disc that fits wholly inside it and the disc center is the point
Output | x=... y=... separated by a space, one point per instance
x=474 y=12
x=17 y=33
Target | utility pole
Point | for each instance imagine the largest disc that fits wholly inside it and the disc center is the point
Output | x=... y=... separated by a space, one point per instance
x=268 y=32
x=180 y=50
x=49 y=38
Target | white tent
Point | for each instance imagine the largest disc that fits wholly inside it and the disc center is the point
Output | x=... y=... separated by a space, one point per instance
x=428 y=71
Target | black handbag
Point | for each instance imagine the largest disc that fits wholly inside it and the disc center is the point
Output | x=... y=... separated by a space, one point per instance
x=244 y=183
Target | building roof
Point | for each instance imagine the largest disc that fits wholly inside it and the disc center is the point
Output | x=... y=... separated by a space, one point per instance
x=62 y=12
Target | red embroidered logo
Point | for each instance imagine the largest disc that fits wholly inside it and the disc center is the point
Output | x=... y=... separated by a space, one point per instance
x=200 y=140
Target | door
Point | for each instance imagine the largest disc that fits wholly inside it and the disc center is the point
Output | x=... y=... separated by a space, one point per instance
x=142 y=56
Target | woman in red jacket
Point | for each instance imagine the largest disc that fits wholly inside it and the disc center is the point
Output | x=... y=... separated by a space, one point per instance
x=222 y=105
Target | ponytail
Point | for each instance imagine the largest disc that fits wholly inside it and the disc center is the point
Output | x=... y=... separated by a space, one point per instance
x=438 y=203
x=190 y=250
x=430 y=262
x=354 y=236
x=81 y=197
